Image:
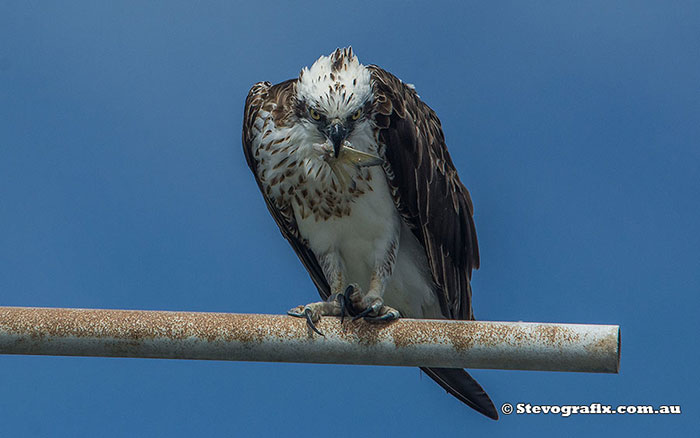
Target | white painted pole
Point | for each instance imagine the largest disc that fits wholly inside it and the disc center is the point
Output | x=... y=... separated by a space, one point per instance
x=276 y=338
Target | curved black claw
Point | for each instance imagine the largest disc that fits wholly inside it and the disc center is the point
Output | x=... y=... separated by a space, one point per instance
x=310 y=322
x=389 y=316
x=342 y=299
x=346 y=304
x=364 y=313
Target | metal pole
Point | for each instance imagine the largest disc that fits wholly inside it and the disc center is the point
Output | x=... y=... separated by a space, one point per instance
x=276 y=338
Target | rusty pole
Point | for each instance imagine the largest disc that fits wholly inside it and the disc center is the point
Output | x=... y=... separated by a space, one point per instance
x=276 y=338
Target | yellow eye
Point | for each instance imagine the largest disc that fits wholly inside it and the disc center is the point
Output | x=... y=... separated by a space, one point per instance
x=314 y=114
x=357 y=114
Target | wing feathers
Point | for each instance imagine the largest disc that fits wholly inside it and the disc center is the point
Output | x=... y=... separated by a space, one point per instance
x=427 y=190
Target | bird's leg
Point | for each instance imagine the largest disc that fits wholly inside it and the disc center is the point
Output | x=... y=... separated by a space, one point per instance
x=335 y=304
x=371 y=305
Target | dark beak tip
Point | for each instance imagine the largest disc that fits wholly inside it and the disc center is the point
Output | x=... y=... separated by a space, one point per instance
x=336 y=148
x=337 y=134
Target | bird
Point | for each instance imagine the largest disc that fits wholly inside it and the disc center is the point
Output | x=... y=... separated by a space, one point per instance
x=354 y=169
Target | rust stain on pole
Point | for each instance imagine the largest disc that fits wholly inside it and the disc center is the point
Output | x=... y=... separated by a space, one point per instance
x=250 y=337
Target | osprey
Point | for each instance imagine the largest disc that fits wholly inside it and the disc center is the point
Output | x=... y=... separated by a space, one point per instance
x=354 y=169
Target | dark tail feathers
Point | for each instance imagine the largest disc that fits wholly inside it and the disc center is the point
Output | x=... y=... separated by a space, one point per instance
x=460 y=384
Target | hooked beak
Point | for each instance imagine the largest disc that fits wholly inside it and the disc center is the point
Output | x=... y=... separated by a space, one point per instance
x=336 y=133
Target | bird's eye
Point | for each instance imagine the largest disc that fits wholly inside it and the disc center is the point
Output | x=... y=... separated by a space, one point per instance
x=357 y=114
x=314 y=114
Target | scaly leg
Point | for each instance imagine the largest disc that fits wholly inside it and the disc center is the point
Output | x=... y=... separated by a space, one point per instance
x=335 y=304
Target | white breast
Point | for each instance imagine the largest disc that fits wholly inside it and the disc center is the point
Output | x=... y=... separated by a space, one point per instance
x=360 y=236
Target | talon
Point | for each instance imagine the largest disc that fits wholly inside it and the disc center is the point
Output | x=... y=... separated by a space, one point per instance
x=347 y=303
x=343 y=306
x=310 y=322
x=389 y=316
x=362 y=314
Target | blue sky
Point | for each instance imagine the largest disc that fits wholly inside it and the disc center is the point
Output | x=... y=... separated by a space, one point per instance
x=576 y=127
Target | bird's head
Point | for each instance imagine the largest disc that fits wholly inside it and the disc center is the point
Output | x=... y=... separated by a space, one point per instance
x=333 y=98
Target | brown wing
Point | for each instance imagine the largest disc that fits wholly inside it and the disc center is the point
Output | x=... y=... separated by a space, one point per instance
x=274 y=100
x=427 y=190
